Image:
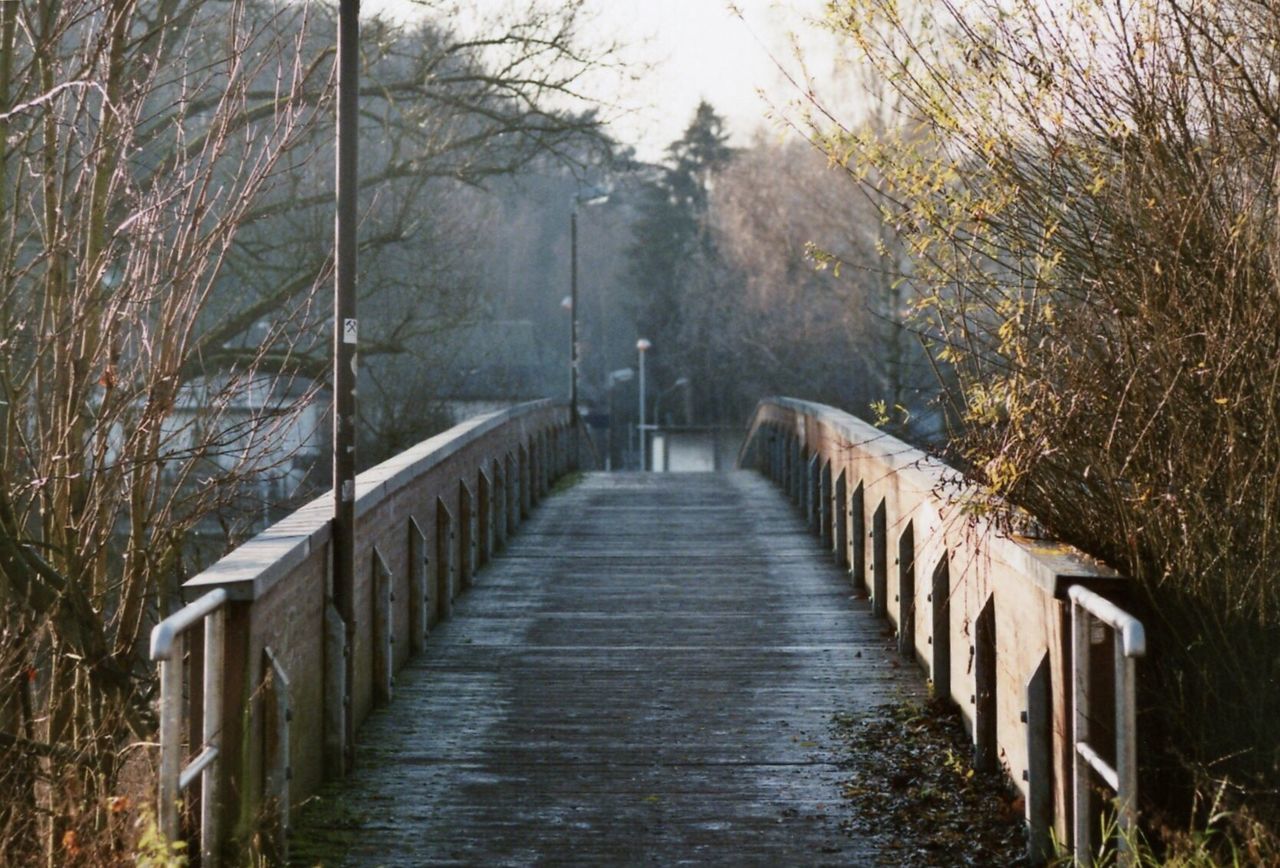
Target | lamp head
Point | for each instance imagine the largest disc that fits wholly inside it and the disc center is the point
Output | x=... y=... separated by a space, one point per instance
x=591 y=196
x=643 y=344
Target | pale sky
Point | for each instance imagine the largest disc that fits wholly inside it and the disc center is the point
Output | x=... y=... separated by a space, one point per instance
x=697 y=49
x=700 y=50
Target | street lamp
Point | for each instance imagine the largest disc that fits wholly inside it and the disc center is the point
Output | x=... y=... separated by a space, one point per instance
x=622 y=375
x=642 y=347
x=657 y=402
x=589 y=196
x=345 y=334
x=657 y=416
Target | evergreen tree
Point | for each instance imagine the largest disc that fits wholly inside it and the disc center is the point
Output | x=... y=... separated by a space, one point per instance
x=672 y=249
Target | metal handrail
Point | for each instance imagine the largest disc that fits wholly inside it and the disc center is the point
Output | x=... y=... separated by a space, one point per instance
x=1086 y=607
x=168 y=647
x=165 y=634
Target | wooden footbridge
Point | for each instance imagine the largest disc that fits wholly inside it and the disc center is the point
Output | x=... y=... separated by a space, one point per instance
x=642 y=669
x=650 y=668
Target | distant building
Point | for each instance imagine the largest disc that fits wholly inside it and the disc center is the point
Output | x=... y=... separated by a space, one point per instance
x=271 y=430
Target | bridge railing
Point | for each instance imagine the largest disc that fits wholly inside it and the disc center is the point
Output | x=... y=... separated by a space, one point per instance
x=254 y=689
x=1129 y=640
x=986 y=613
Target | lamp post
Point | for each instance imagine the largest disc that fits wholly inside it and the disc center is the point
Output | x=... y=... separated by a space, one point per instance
x=642 y=346
x=657 y=419
x=622 y=375
x=657 y=402
x=590 y=196
x=344 y=365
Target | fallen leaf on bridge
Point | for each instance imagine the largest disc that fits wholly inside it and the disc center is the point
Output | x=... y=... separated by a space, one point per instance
x=910 y=790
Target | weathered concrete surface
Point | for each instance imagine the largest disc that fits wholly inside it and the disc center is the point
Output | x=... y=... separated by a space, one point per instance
x=647 y=676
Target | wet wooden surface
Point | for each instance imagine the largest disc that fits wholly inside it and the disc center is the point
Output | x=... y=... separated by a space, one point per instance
x=647 y=675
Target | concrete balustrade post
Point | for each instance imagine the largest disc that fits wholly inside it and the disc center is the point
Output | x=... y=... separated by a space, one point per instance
x=512 y=477
x=812 y=491
x=445 y=586
x=795 y=463
x=544 y=464
x=484 y=526
x=858 y=537
x=499 y=504
x=785 y=464
x=840 y=520
x=880 y=562
x=907 y=592
x=383 y=634
x=525 y=476
x=466 y=536
x=419 y=587
x=824 y=505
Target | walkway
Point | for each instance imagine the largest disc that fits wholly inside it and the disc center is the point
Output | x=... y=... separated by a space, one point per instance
x=646 y=676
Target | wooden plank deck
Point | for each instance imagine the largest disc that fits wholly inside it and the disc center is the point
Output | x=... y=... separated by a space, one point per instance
x=647 y=676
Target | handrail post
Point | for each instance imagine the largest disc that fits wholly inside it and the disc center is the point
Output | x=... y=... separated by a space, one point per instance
x=1083 y=837
x=1130 y=643
x=170 y=738
x=215 y=632
x=1126 y=750
x=168 y=648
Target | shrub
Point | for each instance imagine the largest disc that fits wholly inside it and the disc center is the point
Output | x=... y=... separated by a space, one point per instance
x=1090 y=191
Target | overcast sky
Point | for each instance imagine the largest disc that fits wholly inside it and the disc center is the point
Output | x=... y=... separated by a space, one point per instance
x=697 y=49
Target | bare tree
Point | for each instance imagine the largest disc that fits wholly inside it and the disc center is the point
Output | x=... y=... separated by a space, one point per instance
x=161 y=247
x=1091 y=207
x=117 y=224
x=805 y=313
x=440 y=110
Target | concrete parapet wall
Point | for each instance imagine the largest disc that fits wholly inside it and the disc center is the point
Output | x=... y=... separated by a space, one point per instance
x=983 y=612
x=425 y=521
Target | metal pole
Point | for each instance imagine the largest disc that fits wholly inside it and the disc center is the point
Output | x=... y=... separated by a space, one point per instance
x=573 y=310
x=1126 y=753
x=345 y=332
x=215 y=632
x=1082 y=843
x=640 y=429
x=170 y=739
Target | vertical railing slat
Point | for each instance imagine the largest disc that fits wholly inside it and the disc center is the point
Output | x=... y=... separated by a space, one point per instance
x=1081 y=815
x=215 y=631
x=383 y=632
x=171 y=738
x=419 y=590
